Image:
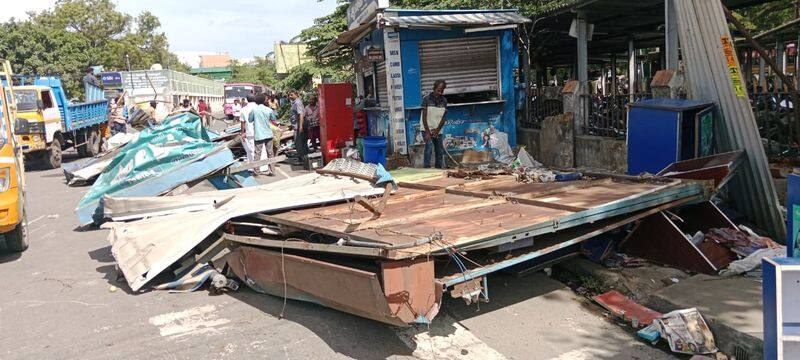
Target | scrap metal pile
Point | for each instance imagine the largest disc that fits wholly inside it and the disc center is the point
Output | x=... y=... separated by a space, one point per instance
x=162 y=159
x=353 y=237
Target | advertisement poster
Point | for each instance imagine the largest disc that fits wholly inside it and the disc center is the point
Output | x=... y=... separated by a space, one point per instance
x=462 y=130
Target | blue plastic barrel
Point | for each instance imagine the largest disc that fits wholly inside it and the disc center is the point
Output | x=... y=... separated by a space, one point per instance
x=375 y=150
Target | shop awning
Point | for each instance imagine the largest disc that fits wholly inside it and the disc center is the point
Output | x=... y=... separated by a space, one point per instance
x=464 y=19
x=348 y=37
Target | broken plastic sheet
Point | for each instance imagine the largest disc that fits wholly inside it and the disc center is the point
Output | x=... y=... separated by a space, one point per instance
x=145 y=248
x=84 y=171
x=752 y=261
x=161 y=158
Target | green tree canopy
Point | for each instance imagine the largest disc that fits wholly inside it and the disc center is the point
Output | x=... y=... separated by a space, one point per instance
x=260 y=71
x=75 y=34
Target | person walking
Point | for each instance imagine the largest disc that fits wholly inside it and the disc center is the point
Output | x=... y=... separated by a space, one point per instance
x=434 y=105
x=261 y=116
x=311 y=119
x=248 y=130
x=298 y=116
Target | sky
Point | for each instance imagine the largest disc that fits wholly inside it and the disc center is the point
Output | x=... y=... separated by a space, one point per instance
x=242 y=28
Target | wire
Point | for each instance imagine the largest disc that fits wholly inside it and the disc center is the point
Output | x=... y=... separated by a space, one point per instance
x=285 y=286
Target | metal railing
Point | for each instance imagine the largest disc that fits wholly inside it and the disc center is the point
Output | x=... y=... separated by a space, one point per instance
x=544 y=102
x=777 y=125
x=607 y=115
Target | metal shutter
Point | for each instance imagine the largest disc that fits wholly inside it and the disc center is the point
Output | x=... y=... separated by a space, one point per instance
x=380 y=79
x=466 y=64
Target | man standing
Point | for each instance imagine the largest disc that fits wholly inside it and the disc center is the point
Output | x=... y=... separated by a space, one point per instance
x=298 y=117
x=248 y=130
x=435 y=106
x=261 y=116
x=90 y=79
x=202 y=109
x=237 y=109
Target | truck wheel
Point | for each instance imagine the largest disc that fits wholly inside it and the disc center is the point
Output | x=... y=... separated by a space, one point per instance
x=82 y=138
x=17 y=239
x=92 y=142
x=53 y=157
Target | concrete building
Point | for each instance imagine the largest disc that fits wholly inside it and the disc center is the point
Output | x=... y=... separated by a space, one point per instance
x=215 y=61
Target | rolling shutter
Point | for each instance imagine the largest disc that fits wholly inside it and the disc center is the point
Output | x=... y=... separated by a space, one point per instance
x=466 y=64
x=380 y=80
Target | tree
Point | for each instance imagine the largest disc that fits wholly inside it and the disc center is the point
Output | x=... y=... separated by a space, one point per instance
x=36 y=49
x=769 y=15
x=76 y=34
x=260 y=71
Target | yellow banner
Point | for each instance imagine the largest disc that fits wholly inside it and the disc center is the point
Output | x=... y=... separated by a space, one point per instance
x=733 y=66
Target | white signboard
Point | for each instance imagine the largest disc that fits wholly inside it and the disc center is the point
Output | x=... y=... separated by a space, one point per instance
x=145 y=79
x=394 y=80
x=361 y=11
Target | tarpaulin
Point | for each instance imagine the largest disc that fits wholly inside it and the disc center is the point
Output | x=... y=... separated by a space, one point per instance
x=163 y=157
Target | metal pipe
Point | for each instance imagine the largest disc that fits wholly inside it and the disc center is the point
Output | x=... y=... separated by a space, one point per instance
x=369 y=244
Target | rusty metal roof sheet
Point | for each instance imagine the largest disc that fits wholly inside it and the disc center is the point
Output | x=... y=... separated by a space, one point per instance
x=429 y=216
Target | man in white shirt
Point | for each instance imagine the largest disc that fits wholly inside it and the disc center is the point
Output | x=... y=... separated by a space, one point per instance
x=237 y=109
x=248 y=141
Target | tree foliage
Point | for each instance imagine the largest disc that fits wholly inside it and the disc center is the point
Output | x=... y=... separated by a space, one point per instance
x=260 y=71
x=75 y=34
x=769 y=15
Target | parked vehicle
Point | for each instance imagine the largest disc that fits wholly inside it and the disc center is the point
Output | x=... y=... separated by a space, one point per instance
x=13 y=220
x=235 y=91
x=48 y=123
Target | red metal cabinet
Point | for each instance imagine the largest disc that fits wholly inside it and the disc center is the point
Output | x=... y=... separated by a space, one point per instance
x=335 y=118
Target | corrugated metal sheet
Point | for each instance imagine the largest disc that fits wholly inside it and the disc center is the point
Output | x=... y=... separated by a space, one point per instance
x=701 y=26
x=475 y=68
x=145 y=248
x=481 y=18
x=380 y=79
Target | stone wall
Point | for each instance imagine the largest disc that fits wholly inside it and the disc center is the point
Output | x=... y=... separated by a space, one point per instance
x=591 y=152
x=557 y=141
x=596 y=152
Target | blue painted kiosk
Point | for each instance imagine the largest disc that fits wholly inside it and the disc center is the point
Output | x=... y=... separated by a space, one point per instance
x=400 y=53
x=781 y=286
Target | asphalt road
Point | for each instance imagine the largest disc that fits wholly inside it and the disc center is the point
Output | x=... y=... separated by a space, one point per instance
x=62 y=299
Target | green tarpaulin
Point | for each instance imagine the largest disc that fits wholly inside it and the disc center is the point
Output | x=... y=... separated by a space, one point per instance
x=156 y=162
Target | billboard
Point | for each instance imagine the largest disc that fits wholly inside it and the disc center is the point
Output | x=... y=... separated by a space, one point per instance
x=287 y=56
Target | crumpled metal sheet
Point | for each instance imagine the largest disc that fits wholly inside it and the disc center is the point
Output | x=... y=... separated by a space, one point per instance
x=134 y=208
x=399 y=293
x=145 y=248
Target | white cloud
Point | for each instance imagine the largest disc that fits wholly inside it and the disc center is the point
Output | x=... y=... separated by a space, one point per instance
x=19 y=9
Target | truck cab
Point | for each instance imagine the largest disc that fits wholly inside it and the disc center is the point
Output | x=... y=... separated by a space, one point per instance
x=13 y=219
x=38 y=126
x=48 y=122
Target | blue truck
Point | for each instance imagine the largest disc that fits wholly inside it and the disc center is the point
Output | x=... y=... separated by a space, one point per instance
x=48 y=123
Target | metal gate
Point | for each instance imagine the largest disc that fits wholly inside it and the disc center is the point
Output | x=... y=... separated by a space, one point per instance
x=468 y=65
x=380 y=80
